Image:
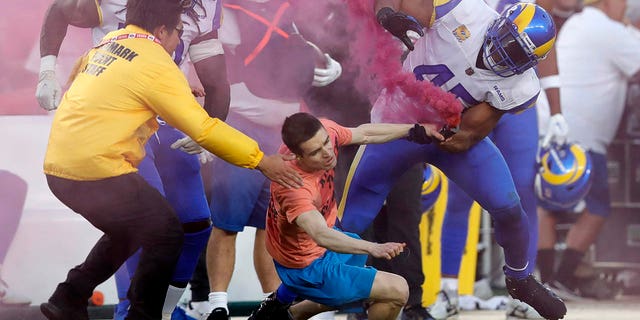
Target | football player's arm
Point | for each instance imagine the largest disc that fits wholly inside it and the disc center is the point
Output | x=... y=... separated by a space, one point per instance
x=61 y=14
x=314 y=224
x=398 y=18
x=369 y=133
x=476 y=123
x=208 y=59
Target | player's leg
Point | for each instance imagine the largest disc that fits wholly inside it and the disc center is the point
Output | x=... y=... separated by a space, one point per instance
x=490 y=183
x=453 y=240
x=584 y=232
x=399 y=221
x=516 y=135
x=483 y=174
x=180 y=174
x=235 y=192
x=262 y=261
x=373 y=173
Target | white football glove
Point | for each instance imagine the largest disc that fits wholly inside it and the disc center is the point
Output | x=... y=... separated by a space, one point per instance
x=48 y=91
x=323 y=77
x=557 y=131
x=205 y=156
x=187 y=145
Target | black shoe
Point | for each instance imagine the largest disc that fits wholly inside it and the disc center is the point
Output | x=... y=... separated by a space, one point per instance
x=53 y=312
x=271 y=309
x=218 y=314
x=599 y=287
x=541 y=298
x=416 y=312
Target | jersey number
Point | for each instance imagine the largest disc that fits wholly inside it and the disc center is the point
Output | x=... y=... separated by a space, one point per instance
x=444 y=74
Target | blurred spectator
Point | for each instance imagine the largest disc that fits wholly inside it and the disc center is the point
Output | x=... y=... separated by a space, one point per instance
x=597 y=55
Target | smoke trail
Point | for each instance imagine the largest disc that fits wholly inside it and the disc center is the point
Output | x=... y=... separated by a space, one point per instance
x=377 y=56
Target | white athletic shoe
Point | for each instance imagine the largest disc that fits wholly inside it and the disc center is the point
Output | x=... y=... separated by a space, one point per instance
x=10 y=297
x=446 y=305
x=517 y=309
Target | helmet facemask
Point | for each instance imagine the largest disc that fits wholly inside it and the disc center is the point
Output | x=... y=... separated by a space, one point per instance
x=505 y=51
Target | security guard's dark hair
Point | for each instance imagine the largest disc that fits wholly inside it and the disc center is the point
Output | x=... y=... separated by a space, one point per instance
x=298 y=128
x=150 y=14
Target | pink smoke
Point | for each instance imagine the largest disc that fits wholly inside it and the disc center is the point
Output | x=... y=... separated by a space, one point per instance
x=377 y=55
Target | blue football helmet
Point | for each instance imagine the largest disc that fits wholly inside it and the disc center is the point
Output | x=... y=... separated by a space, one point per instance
x=431 y=186
x=518 y=39
x=564 y=176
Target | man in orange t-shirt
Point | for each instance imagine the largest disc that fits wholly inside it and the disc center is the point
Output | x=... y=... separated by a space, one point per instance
x=319 y=263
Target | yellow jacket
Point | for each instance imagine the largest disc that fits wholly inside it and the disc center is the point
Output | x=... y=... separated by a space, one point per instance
x=110 y=110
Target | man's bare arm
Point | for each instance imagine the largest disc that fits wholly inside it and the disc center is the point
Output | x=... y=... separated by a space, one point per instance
x=61 y=14
x=477 y=122
x=314 y=224
x=209 y=61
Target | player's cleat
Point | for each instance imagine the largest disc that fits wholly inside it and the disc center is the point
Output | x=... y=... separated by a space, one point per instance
x=599 y=288
x=416 y=312
x=446 y=305
x=10 y=297
x=542 y=299
x=517 y=309
x=271 y=308
x=566 y=292
x=218 y=314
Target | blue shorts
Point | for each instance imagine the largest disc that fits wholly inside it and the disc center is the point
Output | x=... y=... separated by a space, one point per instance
x=334 y=280
x=598 y=199
x=240 y=196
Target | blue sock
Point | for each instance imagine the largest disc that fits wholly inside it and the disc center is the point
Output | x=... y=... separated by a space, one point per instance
x=284 y=295
x=192 y=247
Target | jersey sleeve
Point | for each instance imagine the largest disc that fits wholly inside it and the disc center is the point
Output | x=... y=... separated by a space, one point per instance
x=169 y=96
x=516 y=93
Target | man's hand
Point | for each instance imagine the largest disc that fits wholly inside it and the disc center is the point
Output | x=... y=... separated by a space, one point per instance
x=398 y=24
x=388 y=250
x=49 y=91
x=424 y=134
x=275 y=169
x=557 y=131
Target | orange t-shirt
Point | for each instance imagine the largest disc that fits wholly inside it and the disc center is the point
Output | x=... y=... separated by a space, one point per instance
x=287 y=243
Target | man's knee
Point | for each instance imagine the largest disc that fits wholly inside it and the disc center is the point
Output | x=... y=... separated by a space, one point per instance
x=508 y=216
x=391 y=288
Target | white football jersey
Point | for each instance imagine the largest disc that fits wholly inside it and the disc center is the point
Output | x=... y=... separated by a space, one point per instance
x=448 y=53
x=113 y=12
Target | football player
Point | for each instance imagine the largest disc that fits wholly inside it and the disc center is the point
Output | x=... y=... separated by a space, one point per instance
x=486 y=60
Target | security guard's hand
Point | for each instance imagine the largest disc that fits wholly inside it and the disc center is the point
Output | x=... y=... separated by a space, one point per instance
x=398 y=24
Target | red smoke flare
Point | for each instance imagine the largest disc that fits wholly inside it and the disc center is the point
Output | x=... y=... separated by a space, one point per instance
x=377 y=55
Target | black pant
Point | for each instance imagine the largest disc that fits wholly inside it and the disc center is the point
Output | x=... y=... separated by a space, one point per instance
x=398 y=221
x=132 y=214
